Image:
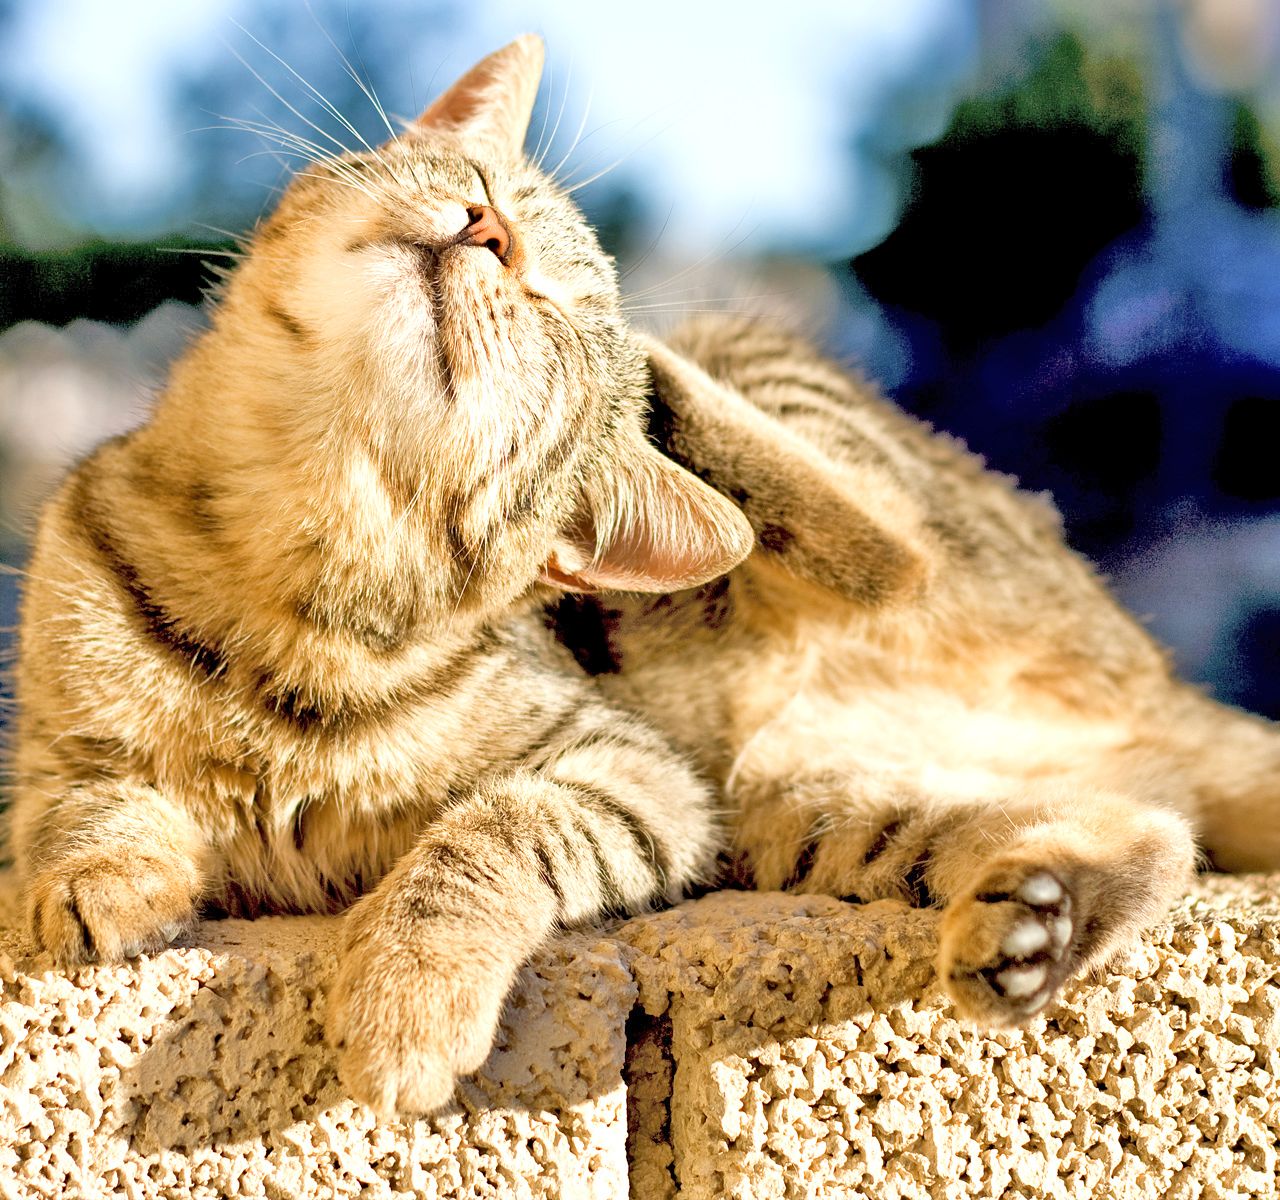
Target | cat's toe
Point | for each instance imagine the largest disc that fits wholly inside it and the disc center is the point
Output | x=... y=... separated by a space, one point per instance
x=405 y=1032
x=402 y=1081
x=391 y=1062
x=100 y=911
x=1007 y=948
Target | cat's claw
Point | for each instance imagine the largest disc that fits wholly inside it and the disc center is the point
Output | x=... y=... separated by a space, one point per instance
x=1007 y=948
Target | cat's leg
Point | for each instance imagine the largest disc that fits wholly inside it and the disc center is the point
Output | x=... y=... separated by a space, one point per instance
x=1037 y=885
x=110 y=869
x=840 y=830
x=1232 y=762
x=606 y=820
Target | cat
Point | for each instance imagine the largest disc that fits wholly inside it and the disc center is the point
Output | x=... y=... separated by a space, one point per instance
x=433 y=593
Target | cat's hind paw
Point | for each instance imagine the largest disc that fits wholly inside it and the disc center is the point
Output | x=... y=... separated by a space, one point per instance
x=1007 y=947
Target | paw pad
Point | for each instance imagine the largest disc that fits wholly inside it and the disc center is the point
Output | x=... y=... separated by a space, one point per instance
x=1017 y=982
x=1035 y=946
x=1040 y=889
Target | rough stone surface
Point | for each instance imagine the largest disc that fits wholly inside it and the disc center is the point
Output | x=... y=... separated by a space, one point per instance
x=815 y=1058
x=202 y=1072
x=738 y=1046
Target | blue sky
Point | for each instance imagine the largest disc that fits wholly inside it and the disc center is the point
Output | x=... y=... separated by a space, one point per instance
x=732 y=117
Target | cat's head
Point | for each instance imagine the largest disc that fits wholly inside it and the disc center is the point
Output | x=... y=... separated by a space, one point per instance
x=442 y=301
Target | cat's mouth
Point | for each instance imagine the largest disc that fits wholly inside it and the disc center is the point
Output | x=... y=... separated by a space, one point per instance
x=457 y=299
x=429 y=275
x=429 y=279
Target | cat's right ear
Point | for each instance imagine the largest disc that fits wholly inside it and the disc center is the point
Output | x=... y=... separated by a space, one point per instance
x=649 y=526
x=491 y=105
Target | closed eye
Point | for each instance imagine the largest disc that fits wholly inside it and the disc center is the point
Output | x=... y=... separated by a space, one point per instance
x=484 y=181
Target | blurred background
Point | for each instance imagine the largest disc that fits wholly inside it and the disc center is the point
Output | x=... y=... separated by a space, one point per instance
x=1048 y=227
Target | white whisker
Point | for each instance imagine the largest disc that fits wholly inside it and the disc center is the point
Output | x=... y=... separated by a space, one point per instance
x=578 y=186
x=324 y=133
x=536 y=156
x=719 y=251
x=296 y=146
x=281 y=136
x=236 y=254
x=339 y=180
x=697 y=305
x=653 y=245
x=370 y=92
x=323 y=100
x=555 y=129
x=227 y=233
x=586 y=113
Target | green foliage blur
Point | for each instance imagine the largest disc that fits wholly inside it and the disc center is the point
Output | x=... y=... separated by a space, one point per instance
x=103 y=281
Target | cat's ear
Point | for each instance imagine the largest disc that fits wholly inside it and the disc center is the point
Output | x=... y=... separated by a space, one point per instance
x=650 y=527
x=492 y=103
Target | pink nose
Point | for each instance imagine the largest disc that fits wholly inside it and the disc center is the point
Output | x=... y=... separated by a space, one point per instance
x=486 y=227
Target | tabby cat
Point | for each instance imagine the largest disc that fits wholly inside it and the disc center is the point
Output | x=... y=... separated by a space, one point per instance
x=429 y=581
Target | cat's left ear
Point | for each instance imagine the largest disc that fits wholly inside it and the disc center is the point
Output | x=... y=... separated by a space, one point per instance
x=650 y=527
x=492 y=103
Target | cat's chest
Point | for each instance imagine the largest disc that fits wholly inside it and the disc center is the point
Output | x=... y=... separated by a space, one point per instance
x=384 y=734
x=266 y=776
x=323 y=798
x=315 y=854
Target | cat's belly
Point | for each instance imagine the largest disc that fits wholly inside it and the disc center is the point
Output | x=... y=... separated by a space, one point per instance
x=934 y=731
x=970 y=725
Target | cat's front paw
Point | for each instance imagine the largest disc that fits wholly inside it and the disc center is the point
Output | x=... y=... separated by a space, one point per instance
x=407 y=1020
x=99 y=909
x=1007 y=947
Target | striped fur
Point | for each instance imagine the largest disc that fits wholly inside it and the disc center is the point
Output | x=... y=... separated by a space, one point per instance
x=913 y=690
x=282 y=647
x=295 y=645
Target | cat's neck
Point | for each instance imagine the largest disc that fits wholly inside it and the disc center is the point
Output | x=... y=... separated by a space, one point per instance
x=323 y=523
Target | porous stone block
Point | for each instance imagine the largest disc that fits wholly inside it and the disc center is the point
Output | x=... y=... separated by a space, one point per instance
x=815 y=1059
x=202 y=1072
x=742 y=1045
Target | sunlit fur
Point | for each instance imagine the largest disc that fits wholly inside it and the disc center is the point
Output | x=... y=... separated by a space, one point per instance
x=914 y=690
x=287 y=636
x=294 y=641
